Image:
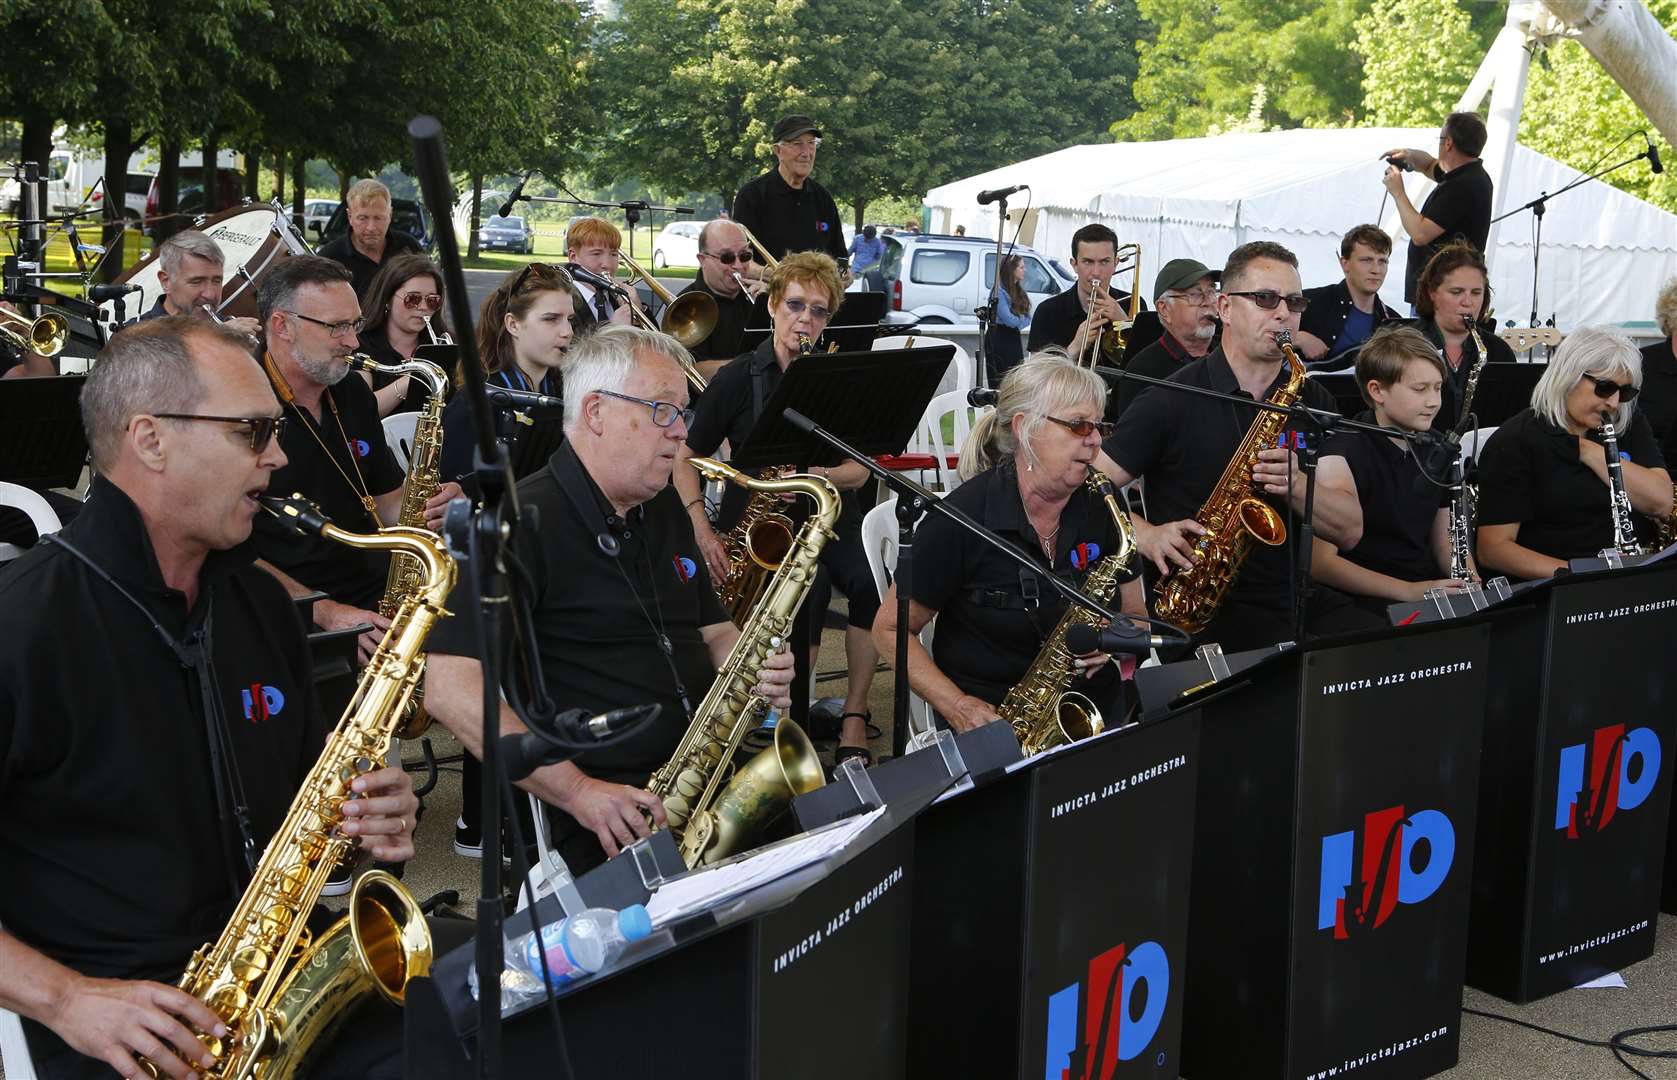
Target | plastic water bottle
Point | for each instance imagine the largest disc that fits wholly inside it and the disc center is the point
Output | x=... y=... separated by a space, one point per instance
x=577 y=946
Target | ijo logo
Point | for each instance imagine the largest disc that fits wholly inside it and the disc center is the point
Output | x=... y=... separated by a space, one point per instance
x=1622 y=771
x=1388 y=876
x=1111 y=1030
x=1084 y=555
x=261 y=702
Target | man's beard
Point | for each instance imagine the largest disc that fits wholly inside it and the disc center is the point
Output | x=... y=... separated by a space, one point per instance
x=328 y=372
x=1205 y=331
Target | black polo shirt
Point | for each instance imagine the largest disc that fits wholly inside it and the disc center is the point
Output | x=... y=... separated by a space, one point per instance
x=1399 y=506
x=109 y=828
x=1181 y=443
x=728 y=410
x=362 y=269
x=1461 y=206
x=1455 y=381
x=347 y=575
x=1659 y=395
x=1530 y=475
x=1330 y=306
x=988 y=631
x=785 y=219
x=377 y=346
x=460 y=440
x=597 y=618
x=1160 y=360
x=1056 y=319
x=727 y=339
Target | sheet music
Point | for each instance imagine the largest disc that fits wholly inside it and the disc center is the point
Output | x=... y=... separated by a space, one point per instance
x=708 y=888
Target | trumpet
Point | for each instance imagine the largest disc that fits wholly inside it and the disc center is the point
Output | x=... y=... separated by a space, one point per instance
x=436 y=338
x=1109 y=343
x=44 y=336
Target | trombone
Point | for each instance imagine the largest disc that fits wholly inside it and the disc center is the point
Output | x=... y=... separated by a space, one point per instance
x=44 y=336
x=688 y=318
x=1109 y=343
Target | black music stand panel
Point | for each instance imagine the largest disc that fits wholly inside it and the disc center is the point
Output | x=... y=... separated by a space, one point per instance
x=42 y=444
x=1580 y=729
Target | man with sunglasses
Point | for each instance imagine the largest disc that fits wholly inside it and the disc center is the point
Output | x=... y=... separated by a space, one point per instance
x=1181 y=442
x=785 y=208
x=622 y=606
x=127 y=839
x=724 y=253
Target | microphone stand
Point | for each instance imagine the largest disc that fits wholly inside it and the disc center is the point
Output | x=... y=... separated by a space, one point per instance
x=1319 y=423
x=912 y=500
x=987 y=313
x=1537 y=207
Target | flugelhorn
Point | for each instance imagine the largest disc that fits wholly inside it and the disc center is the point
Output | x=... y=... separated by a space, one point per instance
x=45 y=336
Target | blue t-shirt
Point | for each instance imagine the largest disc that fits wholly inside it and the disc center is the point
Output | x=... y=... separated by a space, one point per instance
x=1359 y=327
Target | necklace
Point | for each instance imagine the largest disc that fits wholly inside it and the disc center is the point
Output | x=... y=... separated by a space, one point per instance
x=290 y=399
x=1047 y=542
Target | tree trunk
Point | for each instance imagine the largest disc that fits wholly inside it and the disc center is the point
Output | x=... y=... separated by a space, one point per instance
x=118 y=137
x=299 y=192
x=279 y=178
x=168 y=193
x=253 y=174
x=37 y=140
x=343 y=184
x=212 y=185
x=477 y=206
x=861 y=209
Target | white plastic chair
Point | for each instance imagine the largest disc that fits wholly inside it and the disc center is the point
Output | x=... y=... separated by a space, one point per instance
x=398 y=435
x=879 y=543
x=963 y=361
x=15 y=1061
x=39 y=511
x=953 y=403
x=1473 y=443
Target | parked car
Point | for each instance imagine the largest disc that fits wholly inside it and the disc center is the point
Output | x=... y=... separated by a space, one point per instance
x=677 y=244
x=230 y=184
x=512 y=233
x=406 y=215
x=316 y=213
x=944 y=279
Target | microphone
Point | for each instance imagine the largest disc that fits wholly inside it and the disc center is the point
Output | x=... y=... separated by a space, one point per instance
x=525 y=752
x=1122 y=636
x=100 y=293
x=517 y=193
x=1435 y=456
x=978 y=397
x=501 y=395
x=1653 y=154
x=985 y=198
x=1399 y=162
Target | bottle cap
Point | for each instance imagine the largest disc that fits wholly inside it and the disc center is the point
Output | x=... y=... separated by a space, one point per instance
x=634 y=922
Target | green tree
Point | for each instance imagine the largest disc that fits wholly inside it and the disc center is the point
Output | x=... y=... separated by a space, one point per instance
x=1414 y=68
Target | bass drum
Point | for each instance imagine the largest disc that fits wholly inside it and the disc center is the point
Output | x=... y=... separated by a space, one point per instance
x=253 y=238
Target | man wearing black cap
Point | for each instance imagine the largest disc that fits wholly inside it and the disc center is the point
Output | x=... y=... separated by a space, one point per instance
x=1185 y=293
x=784 y=208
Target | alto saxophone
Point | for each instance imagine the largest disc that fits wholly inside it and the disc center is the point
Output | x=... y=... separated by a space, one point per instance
x=279 y=992
x=407 y=575
x=1045 y=714
x=1472 y=374
x=1233 y=516
x=711 y=823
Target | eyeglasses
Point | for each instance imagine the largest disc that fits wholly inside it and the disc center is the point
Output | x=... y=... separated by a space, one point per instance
x=263 y=429
x=335 y=329
x=728 y=258
x=1606 y=388
x=428 y=301
x=1083 y=428
x=816 y=311
x=1198 y=297
x=1268 y=298
x=664 y=413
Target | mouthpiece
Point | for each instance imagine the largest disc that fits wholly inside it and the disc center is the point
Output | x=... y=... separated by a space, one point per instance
x=1284 y=338
x=303 y=516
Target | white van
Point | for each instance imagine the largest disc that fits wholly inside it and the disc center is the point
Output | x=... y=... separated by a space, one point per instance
x=944 y=279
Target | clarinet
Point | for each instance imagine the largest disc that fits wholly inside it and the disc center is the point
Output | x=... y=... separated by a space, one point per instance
x=1624 y=526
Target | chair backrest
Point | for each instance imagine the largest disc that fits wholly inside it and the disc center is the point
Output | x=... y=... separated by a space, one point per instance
x=963 y=360
x=398 y=434
x=15 y=1062
x=951 y=404
x=879 y=544
x=1474 y=442
x=37 y=509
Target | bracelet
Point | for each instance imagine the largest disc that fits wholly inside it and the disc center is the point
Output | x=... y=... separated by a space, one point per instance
x=692 y=503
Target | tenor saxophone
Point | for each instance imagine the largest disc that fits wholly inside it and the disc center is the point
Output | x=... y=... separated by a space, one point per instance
x=407 y=575
x=710 y=821
x=1043 y=712
x=756 y=546
x=1233 y=516
x=280 y=993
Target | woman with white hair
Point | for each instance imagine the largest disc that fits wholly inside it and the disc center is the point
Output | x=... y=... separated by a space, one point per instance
x=1025 y=465
x=1544 y=494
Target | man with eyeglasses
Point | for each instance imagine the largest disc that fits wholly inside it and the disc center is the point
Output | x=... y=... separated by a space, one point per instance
x=785 y=208
x=1180 y=443
x=724 y=262
x=334 y=441
x=1345 y=314
x=1459 y=208
x=622 y=605
x=1185 y=294
x=1068 y=319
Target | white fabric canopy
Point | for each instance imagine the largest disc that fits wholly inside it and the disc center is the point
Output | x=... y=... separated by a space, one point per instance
x=1605 y=253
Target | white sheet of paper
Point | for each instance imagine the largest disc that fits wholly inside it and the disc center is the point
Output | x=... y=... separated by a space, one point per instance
x=1612 y=980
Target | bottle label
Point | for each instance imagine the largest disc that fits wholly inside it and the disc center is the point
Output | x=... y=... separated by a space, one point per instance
x=561 y=968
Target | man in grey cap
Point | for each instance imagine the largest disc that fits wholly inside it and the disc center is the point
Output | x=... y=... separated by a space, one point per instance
x=1185 y=293
x=785 y=208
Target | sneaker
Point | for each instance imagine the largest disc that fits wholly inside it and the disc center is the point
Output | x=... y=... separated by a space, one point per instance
x=339 y=880
x=468 y=839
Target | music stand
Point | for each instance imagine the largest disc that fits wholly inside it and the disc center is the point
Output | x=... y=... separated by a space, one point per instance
x=42 y=444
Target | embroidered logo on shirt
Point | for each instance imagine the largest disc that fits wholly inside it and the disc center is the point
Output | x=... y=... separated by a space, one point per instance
x=685 y=569
x=262 y=702
x=821 y=226
x=1084 y=555
x=359 y=447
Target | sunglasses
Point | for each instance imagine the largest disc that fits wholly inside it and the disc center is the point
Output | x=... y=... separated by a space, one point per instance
x=1269 y=298
x=728 y=258
x=547 y=276
x=1083 y=428
x=428 y=301
x=263 y=429
x=664 y=413
x=1606 y=388
x=816 y=311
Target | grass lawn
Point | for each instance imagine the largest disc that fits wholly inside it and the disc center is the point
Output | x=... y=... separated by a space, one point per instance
x=61 y=260
x=550 y=247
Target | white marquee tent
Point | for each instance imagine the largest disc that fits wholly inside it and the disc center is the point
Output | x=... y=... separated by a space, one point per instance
x=1605 y=253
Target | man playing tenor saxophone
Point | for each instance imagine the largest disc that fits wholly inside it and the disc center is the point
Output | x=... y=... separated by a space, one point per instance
x=622 y=602
x=143 y=768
